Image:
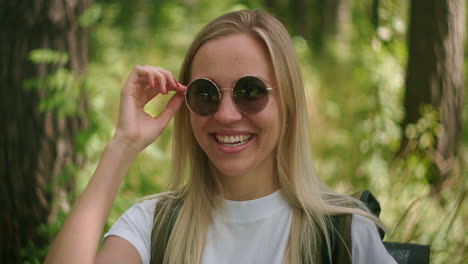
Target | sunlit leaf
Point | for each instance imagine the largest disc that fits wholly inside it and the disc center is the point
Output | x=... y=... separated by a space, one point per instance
x=48 y=56
x=91 y=15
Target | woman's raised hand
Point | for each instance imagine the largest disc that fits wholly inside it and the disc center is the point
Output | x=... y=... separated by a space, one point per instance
x=135 y=127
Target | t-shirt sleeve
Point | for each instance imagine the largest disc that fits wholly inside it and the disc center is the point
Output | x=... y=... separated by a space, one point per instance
x=135 y=226
x=367 y=247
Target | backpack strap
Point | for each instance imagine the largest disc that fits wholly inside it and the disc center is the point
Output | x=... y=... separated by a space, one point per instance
x=340 y=231
x=340 y=240
x=163 y=228
x=374 y=206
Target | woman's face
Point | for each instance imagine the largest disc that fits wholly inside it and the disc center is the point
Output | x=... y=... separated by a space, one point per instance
x=224 y=61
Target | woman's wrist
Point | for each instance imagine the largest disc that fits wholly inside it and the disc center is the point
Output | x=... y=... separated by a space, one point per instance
x=123 y=145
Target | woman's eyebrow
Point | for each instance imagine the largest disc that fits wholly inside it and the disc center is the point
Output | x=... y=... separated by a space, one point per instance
x=270 y=84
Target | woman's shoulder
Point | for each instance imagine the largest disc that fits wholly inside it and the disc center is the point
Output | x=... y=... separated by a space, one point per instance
x=364 y=229
x=138 y=215
x=362 y=221
x=367 y=246
x=136 y=223
x=147 y=204
x=144 y=208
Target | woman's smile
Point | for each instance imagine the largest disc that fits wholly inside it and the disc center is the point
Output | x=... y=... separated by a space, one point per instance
x=233 y=142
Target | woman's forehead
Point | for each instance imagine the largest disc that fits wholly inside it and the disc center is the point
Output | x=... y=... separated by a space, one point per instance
x=231 y=57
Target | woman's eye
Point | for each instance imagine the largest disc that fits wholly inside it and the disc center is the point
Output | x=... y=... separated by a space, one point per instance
x=207 y=96
x=250 y=92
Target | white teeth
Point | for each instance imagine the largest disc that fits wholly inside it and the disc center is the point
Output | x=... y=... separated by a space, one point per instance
x=233 y=141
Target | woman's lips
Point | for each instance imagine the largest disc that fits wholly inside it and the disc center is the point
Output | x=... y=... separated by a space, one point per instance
x=232 y=143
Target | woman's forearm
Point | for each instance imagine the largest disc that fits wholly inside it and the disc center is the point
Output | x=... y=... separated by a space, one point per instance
x=79 y=237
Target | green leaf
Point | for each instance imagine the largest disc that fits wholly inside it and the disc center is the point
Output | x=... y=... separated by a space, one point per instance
x=411 y=131
x=48 y=56
x=90 y=16
x=237 y=7
x=427 y=140
x=34 y=84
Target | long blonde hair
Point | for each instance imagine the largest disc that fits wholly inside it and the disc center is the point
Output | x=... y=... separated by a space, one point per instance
x=191 y=180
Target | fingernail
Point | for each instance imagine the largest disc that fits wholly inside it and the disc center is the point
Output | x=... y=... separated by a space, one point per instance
x=176 y=82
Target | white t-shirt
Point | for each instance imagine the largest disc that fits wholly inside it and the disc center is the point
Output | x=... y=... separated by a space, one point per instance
x=255 y=231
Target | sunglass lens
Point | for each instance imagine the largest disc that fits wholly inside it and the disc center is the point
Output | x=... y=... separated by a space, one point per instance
x=202 y=97
x=250 y=94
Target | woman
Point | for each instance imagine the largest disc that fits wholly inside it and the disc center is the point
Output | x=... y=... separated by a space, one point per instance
x=242 y=189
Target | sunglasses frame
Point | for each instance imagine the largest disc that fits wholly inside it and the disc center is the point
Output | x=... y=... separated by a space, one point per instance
x=268 y=89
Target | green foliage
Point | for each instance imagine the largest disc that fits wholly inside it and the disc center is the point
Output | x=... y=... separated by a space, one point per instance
x=426 y=129
x=61 y=88
x=31 y=253
x=45 y=232
x=62 y=92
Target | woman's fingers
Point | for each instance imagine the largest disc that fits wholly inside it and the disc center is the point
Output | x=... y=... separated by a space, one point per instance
x=145 y=82
x=171 y=109
x=160 y=79
x=170 y=78
x=172 y=84
x=147 y=73
x=161 y=82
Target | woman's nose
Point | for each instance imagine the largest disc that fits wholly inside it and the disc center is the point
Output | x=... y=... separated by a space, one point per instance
x=227 y=111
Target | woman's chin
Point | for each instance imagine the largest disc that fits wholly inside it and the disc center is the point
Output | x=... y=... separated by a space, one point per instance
x=231 y=171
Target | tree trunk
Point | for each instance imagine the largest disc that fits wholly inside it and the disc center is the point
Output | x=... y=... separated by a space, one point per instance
x=336 y=25
x=36 y=146
x=269 y=4
x=301 y=17
x=375 y=13
x=435 y=76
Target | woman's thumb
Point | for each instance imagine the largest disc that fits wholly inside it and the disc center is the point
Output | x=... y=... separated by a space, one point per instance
x=170 y=110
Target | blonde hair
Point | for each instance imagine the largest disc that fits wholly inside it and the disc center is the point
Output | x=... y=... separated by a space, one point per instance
x=191 y=180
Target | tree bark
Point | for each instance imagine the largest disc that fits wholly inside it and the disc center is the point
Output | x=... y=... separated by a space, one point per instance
x=435 y=76
x=269 y=4
x=335 y=31
x=36 y=147
x=375 y=13
x=301 y=17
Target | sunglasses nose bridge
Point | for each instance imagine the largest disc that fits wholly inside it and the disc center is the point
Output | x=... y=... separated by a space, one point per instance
x=223 y=98
x=227 y=89
x=227 y=111
x=222 y=94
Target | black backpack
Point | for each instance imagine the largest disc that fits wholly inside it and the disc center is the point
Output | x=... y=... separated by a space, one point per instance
x=403 y=253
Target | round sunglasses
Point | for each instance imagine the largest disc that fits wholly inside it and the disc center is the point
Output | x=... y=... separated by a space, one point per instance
x=250 y=95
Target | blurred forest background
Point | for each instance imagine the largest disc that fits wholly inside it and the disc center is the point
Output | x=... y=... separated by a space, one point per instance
x=384 y=82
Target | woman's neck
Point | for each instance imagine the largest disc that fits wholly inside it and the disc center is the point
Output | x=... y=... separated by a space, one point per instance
x=252 y=185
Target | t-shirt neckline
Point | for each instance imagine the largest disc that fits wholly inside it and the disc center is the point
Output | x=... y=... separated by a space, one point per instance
x=254 y=209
